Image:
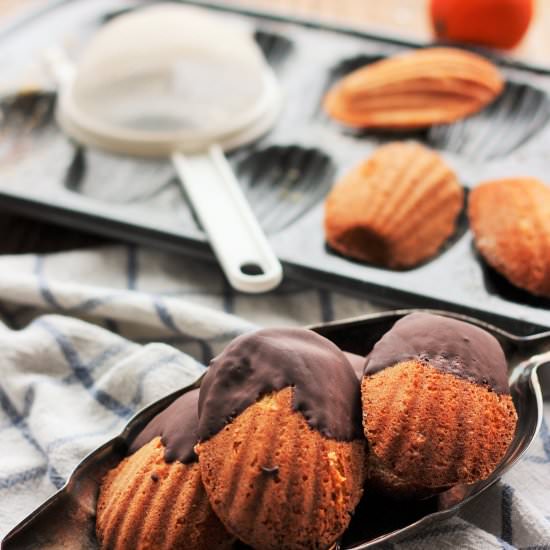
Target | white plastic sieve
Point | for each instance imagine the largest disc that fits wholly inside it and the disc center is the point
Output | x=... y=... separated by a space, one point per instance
x=176 y=81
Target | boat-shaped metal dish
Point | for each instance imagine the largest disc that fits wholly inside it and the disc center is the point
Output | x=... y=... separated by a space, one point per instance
x=67 y=519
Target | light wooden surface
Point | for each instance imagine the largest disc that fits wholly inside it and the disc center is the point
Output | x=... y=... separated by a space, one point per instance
x=12 y=7
x=408 y=18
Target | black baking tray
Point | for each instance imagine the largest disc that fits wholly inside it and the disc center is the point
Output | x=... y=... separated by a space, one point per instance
x=286 y=174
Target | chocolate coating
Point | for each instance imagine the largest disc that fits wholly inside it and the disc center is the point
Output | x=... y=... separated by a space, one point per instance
x=357 y=362
x=447 y=344
x=326 y=390
x=177 y=427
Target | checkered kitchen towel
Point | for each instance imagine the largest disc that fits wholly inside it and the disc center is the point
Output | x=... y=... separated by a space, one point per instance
x=89 y=337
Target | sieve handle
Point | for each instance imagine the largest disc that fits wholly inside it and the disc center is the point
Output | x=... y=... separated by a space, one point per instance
x=60 y=65
x=235 y=235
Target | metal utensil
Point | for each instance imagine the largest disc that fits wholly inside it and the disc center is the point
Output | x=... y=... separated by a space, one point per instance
x=67 y=519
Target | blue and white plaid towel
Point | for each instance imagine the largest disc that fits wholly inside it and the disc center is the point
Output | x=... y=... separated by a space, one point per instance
x=89 y=337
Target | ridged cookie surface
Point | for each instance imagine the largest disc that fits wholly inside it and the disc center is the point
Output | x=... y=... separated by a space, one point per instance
x=154 y=499
x=415 y=90
x=510 y=219
x=281 y=450
x=436 y=406
x=429 y=430
x=146 y=503
x=396 y=209
x=279 y=484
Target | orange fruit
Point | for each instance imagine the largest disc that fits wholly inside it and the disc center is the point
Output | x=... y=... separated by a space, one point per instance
x=494 y=23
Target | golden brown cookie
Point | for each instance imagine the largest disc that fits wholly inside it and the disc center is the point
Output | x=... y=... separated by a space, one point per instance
x=282 y=454
x=437 y=409
x=154 y=499
x=415 y=90
x=396 y=209
x=510 y=219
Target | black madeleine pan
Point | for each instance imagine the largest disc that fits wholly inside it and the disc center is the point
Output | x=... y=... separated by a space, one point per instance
x=286 y=174
x=67 y=519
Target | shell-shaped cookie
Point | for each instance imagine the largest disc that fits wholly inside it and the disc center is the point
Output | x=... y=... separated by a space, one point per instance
x=428 y=430
x=146 y=503
x=276 y=483
x=396 y=209
x=415 y=90
x=510 y=219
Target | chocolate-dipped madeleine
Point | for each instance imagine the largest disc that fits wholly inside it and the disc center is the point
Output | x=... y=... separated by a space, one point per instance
x=155 y=499
x=281 y=446
x=357 y=362
x=437 y=409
